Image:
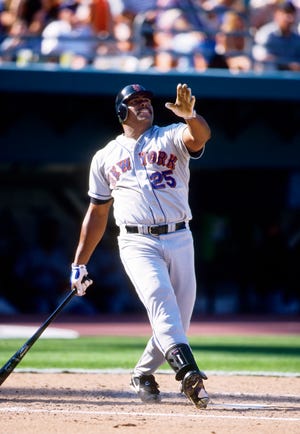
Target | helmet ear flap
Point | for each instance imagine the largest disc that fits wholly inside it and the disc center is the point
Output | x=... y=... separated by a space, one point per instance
x=122 y=112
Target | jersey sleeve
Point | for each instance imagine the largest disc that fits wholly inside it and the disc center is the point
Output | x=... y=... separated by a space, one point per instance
x=98 y=185
x=198 y=154
x=194 y=155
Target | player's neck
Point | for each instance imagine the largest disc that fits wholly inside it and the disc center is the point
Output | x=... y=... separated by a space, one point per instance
x=136 y=131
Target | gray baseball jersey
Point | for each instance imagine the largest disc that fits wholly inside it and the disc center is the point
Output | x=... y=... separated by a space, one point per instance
x=148 y=178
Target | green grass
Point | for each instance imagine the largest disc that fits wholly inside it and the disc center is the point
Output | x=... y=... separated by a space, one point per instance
x=226 y=353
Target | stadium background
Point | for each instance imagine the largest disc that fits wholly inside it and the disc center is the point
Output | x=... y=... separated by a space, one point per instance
x=245 y=192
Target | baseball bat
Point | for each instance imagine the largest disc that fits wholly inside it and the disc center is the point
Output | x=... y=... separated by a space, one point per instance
x=10 y=365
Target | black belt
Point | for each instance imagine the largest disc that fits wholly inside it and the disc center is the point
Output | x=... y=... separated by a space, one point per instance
x=156 y=230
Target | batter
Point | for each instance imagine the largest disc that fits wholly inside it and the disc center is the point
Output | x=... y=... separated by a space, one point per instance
x=144 y=173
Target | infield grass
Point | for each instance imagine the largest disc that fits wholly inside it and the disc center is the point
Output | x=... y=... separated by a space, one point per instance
x=224 y=353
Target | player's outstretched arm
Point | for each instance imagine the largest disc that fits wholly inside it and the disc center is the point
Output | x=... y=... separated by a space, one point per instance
x=198 y=131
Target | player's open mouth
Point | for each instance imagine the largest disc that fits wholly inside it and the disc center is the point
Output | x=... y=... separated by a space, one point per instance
x=144 y=111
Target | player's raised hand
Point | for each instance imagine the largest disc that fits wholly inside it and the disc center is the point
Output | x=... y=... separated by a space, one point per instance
x=79 y=279
x=184 y=104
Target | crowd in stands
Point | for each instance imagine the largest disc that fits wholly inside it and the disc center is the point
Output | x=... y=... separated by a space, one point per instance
x=130 y=35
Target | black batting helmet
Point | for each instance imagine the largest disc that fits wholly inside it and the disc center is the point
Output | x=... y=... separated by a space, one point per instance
x=125 y=94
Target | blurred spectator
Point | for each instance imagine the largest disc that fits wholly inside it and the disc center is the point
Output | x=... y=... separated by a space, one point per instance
x=7 y=18
x=115 y=7
x=22 y=22
x=121 y=52
x=101 y=17
x=123 y=33
x=52 y=42
x=221 y=6
x=232 y=42
x=70 y=39
x=230 y=49
x=277 y=44
x=193 y=10
x=261 y=12
x=15 y=41
x=132 y=7
x=38 y=13
x=215 y=10
x=35 y=14
x=174 y=40
x=133 y=15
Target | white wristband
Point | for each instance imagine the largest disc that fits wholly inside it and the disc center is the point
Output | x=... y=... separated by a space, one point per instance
x=194 y=115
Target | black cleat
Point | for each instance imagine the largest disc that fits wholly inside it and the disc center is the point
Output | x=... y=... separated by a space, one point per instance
x=193 y=388
x=146 y=388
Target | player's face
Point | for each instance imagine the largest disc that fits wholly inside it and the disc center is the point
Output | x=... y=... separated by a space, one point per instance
x=141 y=108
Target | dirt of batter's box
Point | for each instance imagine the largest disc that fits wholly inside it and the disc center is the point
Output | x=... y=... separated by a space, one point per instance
x=69 y=403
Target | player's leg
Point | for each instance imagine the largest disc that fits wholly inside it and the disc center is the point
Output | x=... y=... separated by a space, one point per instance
x=144 y=261
x=179 y=254
x=182 y=274
x=151 y=359
x=148 y=268
x=142 y=379
x=145 y=265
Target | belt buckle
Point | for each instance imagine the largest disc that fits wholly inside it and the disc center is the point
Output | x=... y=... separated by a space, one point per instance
x=150 y=228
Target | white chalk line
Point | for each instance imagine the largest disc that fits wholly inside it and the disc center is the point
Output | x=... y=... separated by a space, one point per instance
x=160 y=371
x=201 y=415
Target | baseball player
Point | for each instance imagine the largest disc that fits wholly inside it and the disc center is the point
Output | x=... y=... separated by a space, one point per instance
x=144 y=173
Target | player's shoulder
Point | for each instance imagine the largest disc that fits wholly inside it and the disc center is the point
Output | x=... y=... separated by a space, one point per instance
x=107 y=149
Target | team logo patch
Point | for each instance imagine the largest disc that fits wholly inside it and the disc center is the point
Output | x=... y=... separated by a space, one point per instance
x=136 y=87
